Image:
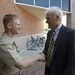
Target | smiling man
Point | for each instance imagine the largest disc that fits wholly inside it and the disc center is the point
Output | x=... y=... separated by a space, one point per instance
x=9 y=53
x=59 y=47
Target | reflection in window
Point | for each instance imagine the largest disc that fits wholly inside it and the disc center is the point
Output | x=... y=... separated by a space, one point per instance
x=26 y=1
x=42 y=3
x=55 y=3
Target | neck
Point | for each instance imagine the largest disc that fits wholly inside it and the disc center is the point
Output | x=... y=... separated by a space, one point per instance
x=9 y=33
x=57 y=25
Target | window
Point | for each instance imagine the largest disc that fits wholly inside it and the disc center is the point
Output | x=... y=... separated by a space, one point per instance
x=55 y=3
x=66 y=5
x=31 y=2
x=42 y=3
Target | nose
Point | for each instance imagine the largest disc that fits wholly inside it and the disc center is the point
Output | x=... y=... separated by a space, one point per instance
x=19 y=26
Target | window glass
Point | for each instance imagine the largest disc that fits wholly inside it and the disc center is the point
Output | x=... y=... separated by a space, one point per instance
x=42 y=3
x=31 y=2
x=66 y=5
x=55 y=3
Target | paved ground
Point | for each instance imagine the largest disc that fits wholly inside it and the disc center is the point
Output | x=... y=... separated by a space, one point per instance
x=38 y=67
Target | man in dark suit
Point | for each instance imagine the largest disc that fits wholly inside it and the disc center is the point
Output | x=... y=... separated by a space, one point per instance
x=62 y=51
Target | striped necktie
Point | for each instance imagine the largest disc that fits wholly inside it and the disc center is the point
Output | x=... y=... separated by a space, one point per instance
x=48 y=60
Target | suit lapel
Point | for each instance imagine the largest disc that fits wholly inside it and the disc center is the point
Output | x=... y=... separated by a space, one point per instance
x=59 y=38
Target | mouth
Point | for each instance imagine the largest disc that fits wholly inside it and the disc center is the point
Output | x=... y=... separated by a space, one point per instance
x=18 y=31
x=49 y=25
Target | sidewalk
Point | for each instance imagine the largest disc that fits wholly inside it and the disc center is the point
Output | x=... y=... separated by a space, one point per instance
x=38 y=67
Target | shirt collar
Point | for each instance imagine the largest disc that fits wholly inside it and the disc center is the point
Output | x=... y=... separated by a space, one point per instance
x=7 y=37
x=58 y=28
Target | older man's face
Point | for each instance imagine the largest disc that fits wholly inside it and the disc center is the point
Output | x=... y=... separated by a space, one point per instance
x=51 y=20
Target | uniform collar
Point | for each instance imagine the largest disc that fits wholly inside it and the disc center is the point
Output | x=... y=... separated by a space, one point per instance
x=7 y=37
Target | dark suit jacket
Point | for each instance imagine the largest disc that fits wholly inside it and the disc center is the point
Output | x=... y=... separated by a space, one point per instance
x=63 y=54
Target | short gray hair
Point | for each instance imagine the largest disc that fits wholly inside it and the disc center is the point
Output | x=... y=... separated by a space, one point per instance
x=56 y=11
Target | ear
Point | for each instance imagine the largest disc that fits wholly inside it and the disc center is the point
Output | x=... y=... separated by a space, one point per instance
x=57 y=18
x=9 y=25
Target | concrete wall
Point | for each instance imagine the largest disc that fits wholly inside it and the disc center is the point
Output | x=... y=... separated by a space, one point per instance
x=71 y=17
x=73 y=14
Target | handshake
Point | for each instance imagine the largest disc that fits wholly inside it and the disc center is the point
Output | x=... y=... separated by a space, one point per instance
x=30 y=61
x=41 y=57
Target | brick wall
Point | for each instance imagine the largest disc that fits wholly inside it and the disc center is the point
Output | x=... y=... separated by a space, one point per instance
x=29 y=23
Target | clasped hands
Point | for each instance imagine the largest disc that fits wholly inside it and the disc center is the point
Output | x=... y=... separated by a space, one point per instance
x=41 y=56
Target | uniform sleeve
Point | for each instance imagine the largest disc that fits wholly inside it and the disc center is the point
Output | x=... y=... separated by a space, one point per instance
x=9 y=55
